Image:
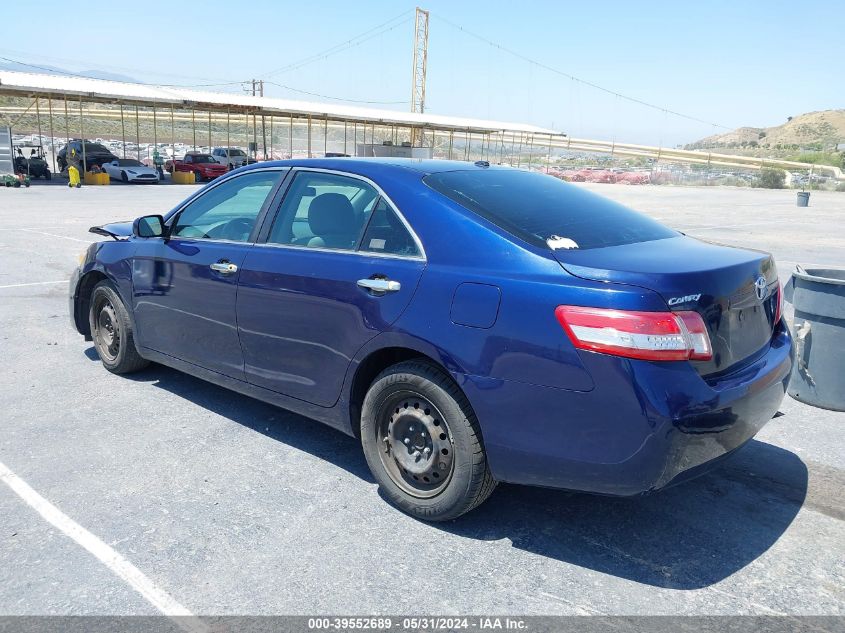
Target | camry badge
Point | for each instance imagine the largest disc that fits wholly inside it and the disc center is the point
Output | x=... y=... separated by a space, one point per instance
x=678 y=300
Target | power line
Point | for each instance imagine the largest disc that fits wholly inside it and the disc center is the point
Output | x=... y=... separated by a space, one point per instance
x=107 y=67
x=315 y=94
x=345 y=45
x=577 y=79
x=67 y=73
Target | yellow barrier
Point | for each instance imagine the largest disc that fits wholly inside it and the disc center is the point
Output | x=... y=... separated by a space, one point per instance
x=184 y=178
x=96 y=179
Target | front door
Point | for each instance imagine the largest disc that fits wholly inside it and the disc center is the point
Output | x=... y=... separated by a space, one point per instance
x=185 y=285
x=338 y=267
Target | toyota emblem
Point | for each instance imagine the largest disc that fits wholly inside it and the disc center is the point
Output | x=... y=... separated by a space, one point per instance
x=760 y=287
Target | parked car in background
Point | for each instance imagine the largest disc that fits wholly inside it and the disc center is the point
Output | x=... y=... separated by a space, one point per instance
x=204 y=166
x=233 y=157
x=72 y=153
x=130 y=170
x=468 y=323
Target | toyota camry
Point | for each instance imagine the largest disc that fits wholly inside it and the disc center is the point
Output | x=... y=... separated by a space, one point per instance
x=468 y=323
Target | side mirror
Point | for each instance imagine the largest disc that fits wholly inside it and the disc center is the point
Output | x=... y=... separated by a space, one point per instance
x=148 y=226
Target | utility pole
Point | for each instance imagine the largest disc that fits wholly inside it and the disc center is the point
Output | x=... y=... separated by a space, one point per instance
x=256 y=86
x=420 y=63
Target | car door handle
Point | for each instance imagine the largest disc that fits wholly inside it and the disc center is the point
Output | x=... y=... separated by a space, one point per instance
x=227 y=268
x=380 y=285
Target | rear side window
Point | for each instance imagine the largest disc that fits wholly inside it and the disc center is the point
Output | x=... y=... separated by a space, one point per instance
x=386 y=234
x=536 y=207
x=322 y=210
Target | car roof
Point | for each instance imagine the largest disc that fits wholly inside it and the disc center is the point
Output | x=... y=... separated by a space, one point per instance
x=365 y=166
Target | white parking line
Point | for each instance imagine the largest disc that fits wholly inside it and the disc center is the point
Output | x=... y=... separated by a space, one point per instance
x=35 y=283
x=118 y=565
x=63 y=237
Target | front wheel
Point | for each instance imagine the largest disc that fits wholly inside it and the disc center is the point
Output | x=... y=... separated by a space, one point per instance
x=112 y=332
x=423 y=443
x=124 y=177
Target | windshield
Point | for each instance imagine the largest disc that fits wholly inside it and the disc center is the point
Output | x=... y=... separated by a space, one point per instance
x=536 y=207
x=129 y=162
x=96 y=147
x=236 y=152
x=202 y=158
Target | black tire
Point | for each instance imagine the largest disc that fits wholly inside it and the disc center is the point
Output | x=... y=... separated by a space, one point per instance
x=48 y=175
x=124 y=177
x=446 y=450
x=111 y=330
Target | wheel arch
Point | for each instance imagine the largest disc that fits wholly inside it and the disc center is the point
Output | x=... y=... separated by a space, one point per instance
x=374 y=361
x=82 y=300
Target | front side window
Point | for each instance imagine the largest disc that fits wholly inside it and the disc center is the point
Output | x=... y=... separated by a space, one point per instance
x=324 y=211
x=229 y=210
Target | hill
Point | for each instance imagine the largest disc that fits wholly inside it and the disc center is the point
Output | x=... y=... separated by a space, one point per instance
x=820 y=131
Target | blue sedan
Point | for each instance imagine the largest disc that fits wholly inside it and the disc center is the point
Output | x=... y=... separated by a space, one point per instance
x=468 y=323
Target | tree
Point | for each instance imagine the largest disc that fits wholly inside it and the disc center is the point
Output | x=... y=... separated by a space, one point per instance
x=772 y=178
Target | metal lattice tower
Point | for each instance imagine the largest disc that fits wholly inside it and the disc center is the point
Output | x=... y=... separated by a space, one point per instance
x=420 y=63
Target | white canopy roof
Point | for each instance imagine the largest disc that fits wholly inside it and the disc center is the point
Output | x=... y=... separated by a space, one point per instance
x=101 y=90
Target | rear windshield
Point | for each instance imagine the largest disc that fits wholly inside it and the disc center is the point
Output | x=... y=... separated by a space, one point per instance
x=536 y=207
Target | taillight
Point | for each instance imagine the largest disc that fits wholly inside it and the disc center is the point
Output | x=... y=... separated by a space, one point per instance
x=778 y=304
x=642 y=335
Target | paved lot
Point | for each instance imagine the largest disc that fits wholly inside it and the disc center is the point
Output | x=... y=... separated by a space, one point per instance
x=229 y=505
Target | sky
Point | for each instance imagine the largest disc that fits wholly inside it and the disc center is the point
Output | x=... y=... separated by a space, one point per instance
x=705 y=66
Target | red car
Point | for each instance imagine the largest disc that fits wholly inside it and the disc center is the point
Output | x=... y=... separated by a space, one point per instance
x=204 y=166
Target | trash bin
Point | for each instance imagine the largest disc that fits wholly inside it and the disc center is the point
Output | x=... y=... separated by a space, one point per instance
x=818 y=375
x=803 y=198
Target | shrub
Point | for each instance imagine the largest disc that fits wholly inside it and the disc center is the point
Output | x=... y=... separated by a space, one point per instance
x=772 y=178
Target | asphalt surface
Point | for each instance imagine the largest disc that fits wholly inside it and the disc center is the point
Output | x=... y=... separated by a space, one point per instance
x=231 y=506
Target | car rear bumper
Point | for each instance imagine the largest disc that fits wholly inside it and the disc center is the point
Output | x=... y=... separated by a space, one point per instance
x=644 y=426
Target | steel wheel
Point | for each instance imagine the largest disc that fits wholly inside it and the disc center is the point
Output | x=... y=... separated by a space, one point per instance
x=107 y=334
x=416 y=445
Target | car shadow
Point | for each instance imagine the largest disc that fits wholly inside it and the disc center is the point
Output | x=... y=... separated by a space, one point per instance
x=685 y=537
x=688 y=536
x=279 y=424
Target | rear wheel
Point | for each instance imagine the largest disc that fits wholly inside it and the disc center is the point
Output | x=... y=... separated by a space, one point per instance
x=423 y=443
x=124 y=177
x=112 y=332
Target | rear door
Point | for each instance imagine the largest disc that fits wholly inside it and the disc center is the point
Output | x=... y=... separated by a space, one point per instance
x=185 y=286
x=337 y=266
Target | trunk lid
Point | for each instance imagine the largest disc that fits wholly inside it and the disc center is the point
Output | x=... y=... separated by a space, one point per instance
x=723 y=284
